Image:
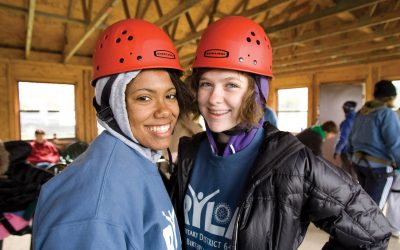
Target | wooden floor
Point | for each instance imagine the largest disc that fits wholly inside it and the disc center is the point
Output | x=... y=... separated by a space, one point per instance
x=314 y=240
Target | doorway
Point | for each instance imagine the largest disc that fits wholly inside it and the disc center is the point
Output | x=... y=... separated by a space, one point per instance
x=331 y=99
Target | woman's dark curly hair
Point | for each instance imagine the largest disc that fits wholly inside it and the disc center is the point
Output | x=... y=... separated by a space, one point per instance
x=183 y=93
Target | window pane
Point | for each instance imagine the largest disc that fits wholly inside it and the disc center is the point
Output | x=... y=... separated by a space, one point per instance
x=292 y=109
x=47 y=106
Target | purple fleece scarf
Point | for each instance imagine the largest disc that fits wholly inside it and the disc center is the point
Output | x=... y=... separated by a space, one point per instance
x=238 y=142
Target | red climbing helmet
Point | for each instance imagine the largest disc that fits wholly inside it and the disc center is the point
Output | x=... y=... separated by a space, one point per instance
x=133 y=44
x=235 y=42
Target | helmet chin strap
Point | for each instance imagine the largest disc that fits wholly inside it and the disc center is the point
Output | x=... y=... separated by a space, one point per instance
x=104 y=111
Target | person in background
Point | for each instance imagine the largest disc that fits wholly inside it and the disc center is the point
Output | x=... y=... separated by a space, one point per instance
x=349 y=108
x=374 y=142
x=270 y=116
x=393 y=202
x=314 y=136
x=44 y=153
x=112 y=196
x=243 y=184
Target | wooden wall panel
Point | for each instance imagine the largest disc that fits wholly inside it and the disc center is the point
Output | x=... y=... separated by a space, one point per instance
x=19 y=70
x=4 y=102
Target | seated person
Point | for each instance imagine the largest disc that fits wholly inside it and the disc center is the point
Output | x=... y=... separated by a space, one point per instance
x=314 y=136
x=44 y=152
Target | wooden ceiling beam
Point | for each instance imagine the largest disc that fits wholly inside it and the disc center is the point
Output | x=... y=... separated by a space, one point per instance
x=342 y=6
x=41 y=13
x=138 y=6
x=176 y=13
x=29 y=27
x=158 y=8
x=126 y=8
x=212 y=12
x=247 y=13
x=190 y=22
x=363 y=22
x=351 y=41
x=349 y=60
x=253 y=12
x=339 y=53
x=101 y=16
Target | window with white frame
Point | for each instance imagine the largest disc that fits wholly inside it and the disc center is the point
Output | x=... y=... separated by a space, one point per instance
x=292 y=109
x=47 y=106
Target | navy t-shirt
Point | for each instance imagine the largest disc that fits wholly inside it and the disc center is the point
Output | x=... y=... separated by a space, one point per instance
x=211 y=202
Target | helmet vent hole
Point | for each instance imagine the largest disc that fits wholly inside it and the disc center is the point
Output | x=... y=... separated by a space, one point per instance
x=105 y=37
x=270 y=67
x=130 y=53
x=254 y=62
x=124 y=32
x=258 y=42
x=130 y=38
x=139 y=58
x=253 y=34
x=248 y=55
x=101 y=45
x=248 y=39
x=118 y=40
x=241 y=59
x=98 y=67
x=121 y=60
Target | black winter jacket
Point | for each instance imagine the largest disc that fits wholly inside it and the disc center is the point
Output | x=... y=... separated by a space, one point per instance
x=288 y=188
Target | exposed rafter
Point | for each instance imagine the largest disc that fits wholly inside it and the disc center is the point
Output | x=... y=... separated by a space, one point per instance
x=363 y=22
x=319 y=15
x=248 y=13
x=362 y=58
x=101 y=16
x=126 y=8
x=340 y=53
x=351 y=41
x=176 y=13
x=29 y=27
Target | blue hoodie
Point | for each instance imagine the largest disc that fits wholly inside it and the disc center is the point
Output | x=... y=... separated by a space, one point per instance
x=111 y=197
x=345 y=127
x=376 y=131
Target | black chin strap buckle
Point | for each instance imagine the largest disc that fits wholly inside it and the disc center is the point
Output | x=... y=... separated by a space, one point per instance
x=106 y=114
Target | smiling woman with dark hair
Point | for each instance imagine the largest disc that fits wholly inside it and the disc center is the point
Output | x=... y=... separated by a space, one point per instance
x=112 y=196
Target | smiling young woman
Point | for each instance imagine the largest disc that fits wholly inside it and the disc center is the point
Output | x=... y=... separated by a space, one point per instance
x=113 y=196
x=243 y=184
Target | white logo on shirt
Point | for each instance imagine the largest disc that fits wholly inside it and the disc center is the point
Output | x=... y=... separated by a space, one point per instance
x=221 y=213
x=169 y=232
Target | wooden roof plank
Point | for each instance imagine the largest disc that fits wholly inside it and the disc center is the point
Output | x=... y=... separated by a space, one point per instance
x=319 y=15
x=340 y=53
x=175 y=13
x=343 y=43
x=363 y=22
x=248 y=13
x=101 y=16
x=363 y=58
x=31 y=18
x=126 y=9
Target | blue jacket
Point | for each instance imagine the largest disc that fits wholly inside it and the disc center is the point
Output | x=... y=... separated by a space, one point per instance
x=376 y=131
x=269 y=116
x=111 y=197
x=345 y=127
